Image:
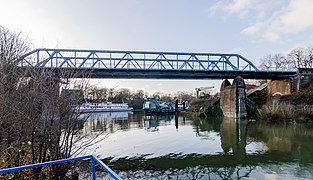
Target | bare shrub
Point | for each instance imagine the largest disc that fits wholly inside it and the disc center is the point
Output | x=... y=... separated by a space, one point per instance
x=277 y=112
x=37 y=122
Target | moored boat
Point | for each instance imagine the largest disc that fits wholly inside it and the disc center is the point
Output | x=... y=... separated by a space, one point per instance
x=153 y=106
x=106 y=106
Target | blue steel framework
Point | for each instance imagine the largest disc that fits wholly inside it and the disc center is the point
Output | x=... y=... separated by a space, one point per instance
x=142 y=64
x=93 y=158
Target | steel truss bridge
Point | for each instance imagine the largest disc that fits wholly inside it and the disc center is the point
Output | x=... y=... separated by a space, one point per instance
x=143 y=64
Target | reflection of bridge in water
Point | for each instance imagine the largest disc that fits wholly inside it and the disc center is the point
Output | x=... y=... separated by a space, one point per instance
x=275 y=144
x=244 y=149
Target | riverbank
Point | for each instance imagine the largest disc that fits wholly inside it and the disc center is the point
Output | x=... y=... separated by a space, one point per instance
x=286 y=112
x=211 y=111
x=297 y=108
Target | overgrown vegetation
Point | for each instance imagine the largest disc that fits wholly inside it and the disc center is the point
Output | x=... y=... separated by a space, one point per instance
x=36 y=123
x=277 y=112
x=303 y=97
x=205 y=107
x=298 y=107
x=286 y=112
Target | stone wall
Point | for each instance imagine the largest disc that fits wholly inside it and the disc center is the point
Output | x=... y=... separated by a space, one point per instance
x=228 y=101
x=279 y=87
x=305 y=77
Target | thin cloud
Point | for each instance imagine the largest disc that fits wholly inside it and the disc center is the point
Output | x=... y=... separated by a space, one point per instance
x=253 y=29
x=293 y=19
x=242 y=8
x=271 y=36
x=270 y=20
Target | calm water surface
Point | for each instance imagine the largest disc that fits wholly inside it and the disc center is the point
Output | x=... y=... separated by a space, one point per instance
x=182 y=147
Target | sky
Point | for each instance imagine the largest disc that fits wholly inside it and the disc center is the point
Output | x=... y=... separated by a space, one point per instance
x=252 y=28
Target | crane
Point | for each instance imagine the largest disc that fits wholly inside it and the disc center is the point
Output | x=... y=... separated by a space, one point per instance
x=202 y=89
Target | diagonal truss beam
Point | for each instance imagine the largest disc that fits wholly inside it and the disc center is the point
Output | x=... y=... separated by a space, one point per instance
x=106 y=59
x=140 y=61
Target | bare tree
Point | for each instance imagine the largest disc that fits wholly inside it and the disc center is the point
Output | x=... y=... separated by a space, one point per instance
x=266 y=62
x=12 y=46
x=167 y=98
x=184 y=96
x=298 y=57
x=37 y=123
x=279 y=61
x=111 y=94
x=310 y=57
x=276 y=61
x=137 y=99
x=123 y=95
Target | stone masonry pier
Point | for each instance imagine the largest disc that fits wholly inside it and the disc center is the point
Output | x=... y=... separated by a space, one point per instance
x=233 y=98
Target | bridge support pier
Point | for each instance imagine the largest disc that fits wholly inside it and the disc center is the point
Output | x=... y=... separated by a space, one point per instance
x=233 y=98
x=47 y=86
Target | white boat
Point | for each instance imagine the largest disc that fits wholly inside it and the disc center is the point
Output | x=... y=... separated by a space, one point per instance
x=89 y=107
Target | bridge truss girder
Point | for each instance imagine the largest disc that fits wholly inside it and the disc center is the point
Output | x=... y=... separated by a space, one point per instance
x=143 y=64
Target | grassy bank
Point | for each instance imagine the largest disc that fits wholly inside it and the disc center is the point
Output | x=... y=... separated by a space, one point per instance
x=286 y=112
x=298 y=107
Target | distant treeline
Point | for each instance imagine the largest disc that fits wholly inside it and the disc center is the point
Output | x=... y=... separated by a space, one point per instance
x=133 y=98
x=297 y=58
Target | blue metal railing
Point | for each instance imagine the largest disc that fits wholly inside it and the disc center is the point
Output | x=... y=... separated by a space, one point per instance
x=94 y=161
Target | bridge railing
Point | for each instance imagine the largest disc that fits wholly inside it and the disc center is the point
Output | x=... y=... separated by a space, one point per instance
x=142 y=60
x=94 y=161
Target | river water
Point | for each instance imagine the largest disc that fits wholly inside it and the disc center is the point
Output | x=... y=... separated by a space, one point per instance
x=188 y=147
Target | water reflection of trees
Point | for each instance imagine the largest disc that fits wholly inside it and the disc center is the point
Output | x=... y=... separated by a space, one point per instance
x=233 y=136
x=111 y=122
x=295 y=141
x=285 y=143
x=204 y=126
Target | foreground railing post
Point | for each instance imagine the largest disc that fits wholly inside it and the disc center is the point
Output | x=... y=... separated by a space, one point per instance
x=93 y=158
x=93 y=166
x=106 y=168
